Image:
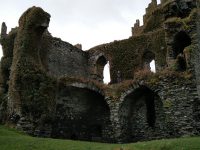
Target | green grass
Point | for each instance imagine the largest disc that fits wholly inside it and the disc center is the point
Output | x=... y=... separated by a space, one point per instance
x=11 y=139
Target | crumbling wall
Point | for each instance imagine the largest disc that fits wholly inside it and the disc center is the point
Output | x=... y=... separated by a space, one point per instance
x=125 y=56
x=63 y=59
x=7 y=42
x=175 y=106
x=31 y=91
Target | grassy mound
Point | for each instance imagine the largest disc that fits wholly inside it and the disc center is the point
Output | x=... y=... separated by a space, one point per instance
x=11 y=139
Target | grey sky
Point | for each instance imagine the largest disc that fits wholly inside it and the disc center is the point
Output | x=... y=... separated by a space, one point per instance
x=89 y=22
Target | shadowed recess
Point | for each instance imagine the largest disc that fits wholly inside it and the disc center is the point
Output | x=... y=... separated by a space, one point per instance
x=82 y=114
x=137 y=113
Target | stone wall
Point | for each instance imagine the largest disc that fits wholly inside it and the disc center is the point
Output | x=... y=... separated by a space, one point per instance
x=131 y=53
x=197 y=52
x=176 y=111
x=63 y=59
x=81 y=113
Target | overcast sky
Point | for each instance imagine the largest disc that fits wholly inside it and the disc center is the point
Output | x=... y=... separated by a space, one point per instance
x=89 y=22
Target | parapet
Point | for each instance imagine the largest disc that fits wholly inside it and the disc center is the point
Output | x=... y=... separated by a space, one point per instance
x=151 y=7
x=137 y=29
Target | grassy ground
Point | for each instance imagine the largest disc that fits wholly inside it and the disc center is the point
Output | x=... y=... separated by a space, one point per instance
x=10 y=139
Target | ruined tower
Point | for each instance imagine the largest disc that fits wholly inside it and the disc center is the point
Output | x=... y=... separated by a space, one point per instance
x=3 y=30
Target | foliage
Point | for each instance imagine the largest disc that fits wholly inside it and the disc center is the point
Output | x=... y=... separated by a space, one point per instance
x=3 y=108
x=29 y=85
x=143 y=74
x=38 y=97
x=6 y=60
x=8 y=43
x=167 y=103
x=185 y=23
x=130 y=53
x=154 y=21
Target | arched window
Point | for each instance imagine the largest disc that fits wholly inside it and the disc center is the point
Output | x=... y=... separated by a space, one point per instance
x=106 y=73
x=100 y=67
x=153 y=66
x=149 y=61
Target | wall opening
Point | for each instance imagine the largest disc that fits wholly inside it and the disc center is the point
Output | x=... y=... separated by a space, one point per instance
x=81 y=114
x=153 y=66
x=100 y=65
x=181 y=41
x=149 y=61
x=106 y=73
x=138 y=114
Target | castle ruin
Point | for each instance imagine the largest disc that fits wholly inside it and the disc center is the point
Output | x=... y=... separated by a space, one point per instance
x=50 y=88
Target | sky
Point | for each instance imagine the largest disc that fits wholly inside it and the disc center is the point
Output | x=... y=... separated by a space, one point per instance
x=88 y=22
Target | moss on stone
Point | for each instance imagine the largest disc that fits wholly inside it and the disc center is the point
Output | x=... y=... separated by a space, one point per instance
x=155 y=21
x=31 y=90
x=126 y=55
x=167 y=103
x=183 y=23
x=38 y=97
x=6 y=60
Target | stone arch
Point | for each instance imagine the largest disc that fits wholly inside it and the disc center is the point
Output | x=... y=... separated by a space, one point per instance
x=140 y=114
x=181 y=41
x=81 y=113
x=100 y=63
x=148 y=57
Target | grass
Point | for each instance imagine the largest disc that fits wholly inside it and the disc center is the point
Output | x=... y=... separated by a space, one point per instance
x=11 y=139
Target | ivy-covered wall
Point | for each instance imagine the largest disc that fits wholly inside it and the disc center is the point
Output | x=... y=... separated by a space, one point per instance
x=126 y=56
x=30 y=89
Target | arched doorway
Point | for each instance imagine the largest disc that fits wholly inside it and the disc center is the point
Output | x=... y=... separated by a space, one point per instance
x=81 y=114
x=139 y=115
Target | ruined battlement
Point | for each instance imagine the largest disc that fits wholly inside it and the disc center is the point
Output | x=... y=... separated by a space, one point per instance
x=151 y=7
x=137 y=29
